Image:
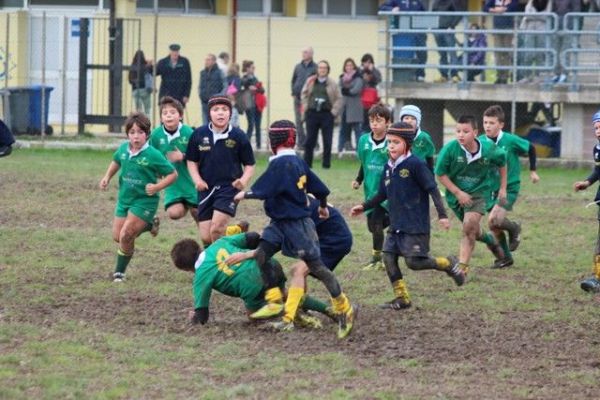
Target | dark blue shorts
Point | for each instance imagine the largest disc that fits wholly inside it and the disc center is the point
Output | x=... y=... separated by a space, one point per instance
x=218 y=198
x=296 y=238
x=407 y=245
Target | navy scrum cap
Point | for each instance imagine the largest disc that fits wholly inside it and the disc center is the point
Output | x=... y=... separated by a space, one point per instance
x=404 y=130
x=174 y=47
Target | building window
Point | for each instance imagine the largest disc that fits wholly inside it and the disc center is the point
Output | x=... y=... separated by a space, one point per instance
x=87 y=3
x=11 y=3
x=346 y=8
x=180 y=6
x=263 y=7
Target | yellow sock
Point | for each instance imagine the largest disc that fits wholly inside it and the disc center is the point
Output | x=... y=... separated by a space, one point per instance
x=294 y=299
x=231 y=230
x=442 y=263
x=400 y=290
x=340 y=304
x=274 y=295
x=464 y=267
x=597 y=266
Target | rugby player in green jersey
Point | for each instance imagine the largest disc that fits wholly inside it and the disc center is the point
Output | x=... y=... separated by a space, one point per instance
x=422 y=146
x=463 y=167
x=141 y=166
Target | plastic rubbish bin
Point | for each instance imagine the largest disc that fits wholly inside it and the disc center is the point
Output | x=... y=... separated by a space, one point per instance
x=25 y=109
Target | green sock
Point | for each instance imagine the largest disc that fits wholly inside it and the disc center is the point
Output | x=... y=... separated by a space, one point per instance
x=310 y=303
x=504 y=244
x=122 y=261
x=487 y=238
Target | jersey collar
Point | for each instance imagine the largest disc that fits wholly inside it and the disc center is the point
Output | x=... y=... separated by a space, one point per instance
x=175 y=135
x=375 y=146
x=219 y=136
x=283 y=152
x=418 y=133
x=394 y=164
x=472 y=157
x=132 y=154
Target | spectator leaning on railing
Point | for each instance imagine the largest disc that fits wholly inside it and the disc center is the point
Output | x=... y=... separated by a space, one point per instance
x=448 y=39
x=563 y=42
x=533 y=22
x=503 y=40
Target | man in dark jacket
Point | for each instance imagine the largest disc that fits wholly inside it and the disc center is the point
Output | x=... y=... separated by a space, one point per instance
x=176 y=75
x=6 y=140
x=448 y=39
x=302 y=71
x=212 y=83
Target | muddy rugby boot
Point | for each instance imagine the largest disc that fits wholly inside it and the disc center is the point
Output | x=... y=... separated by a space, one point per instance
x=591 y=285
x=346 y=321
x=503 y=263
x=282 y=326
x=398 y=303
x=269 y=310
x=118 y=277
x=155 y=226
x=455 y=272
x=304 y=320
x=514 y=237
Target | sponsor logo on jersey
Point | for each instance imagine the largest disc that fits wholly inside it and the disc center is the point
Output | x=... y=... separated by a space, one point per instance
x=204 y=148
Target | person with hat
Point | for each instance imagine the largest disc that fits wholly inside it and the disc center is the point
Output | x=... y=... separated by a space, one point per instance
x=176 y=76
x=407 y=183
x=592 y=284
x=221 y=163
x=284 y=187
x=464 y=166
x=422 y=146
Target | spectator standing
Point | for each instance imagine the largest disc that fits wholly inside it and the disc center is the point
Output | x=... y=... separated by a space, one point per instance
x=223 y=62
x=371 y=77
x=417 y=39
x=533 y=22
x=302 y=71
x=476 y=40
x=321 y=102
x=212 y=83
x=561 y=42
x=351 y=85
x=140 y=78
x=248 y=98
x=234 y=86
x=448 y=39
x=176 y=75
x=503 y=40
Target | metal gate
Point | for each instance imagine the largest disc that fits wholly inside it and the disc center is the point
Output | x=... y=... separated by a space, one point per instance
x=106 y=48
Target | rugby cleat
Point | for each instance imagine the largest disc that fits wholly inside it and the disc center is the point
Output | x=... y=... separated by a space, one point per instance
x=591 y=285
x=155 y=226
x=503 y=263
x=514 y=237
x=455 y=272
x=329 y=312
x=374 y=265
x=267 y=311
x=304 y=320
x=346 y=321
x=240 y=227
x=397 y=304
x=118 y=277
x=282 y=326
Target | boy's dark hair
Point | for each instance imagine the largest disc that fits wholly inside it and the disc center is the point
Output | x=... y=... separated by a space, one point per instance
x=170 y=101
x=140 y=120
x=380 y=110
x=494 y=111
x=467 y=119
x=367 y=57
x=185 y=253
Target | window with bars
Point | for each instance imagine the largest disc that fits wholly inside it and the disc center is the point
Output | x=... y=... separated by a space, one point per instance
x=178 y=6
x=263 y=7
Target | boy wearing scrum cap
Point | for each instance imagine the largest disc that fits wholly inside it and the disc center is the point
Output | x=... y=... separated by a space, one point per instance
x=221 y=163
x=422 y=145
x=407 y=184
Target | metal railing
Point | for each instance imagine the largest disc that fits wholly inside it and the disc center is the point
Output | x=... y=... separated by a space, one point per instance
x=562 y=46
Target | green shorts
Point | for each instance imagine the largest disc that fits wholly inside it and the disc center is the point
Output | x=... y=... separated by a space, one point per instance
x=189 y=198
x=478 y=205
x=512 y=193
x=145 y=210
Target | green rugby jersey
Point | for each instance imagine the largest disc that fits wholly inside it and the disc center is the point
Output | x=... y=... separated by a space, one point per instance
x=373 y=158
x=423 y=146
x=138 y=170
x=241 y=280
x=469 y=173
x=164 y=142
x=514 y=146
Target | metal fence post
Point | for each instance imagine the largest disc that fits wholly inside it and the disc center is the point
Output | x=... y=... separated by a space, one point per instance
x=64 y=74
x=43 y=86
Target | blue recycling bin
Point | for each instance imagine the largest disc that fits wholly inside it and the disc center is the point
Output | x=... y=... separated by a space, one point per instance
x=25 y=105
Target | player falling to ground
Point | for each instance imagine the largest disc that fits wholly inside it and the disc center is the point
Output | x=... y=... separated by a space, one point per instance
x=407 y=183
x=284 y=187
x=171 y=139
x=140 y=165
x=592 y=284
x=372 y=154
x=514 y=146
x=463 y=167
x=240 y=280
x=221 y=163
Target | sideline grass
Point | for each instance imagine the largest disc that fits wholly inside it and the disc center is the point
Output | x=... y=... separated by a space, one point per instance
x=67 y=332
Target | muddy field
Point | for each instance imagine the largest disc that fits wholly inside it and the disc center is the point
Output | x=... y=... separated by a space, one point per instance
x=67 y=331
